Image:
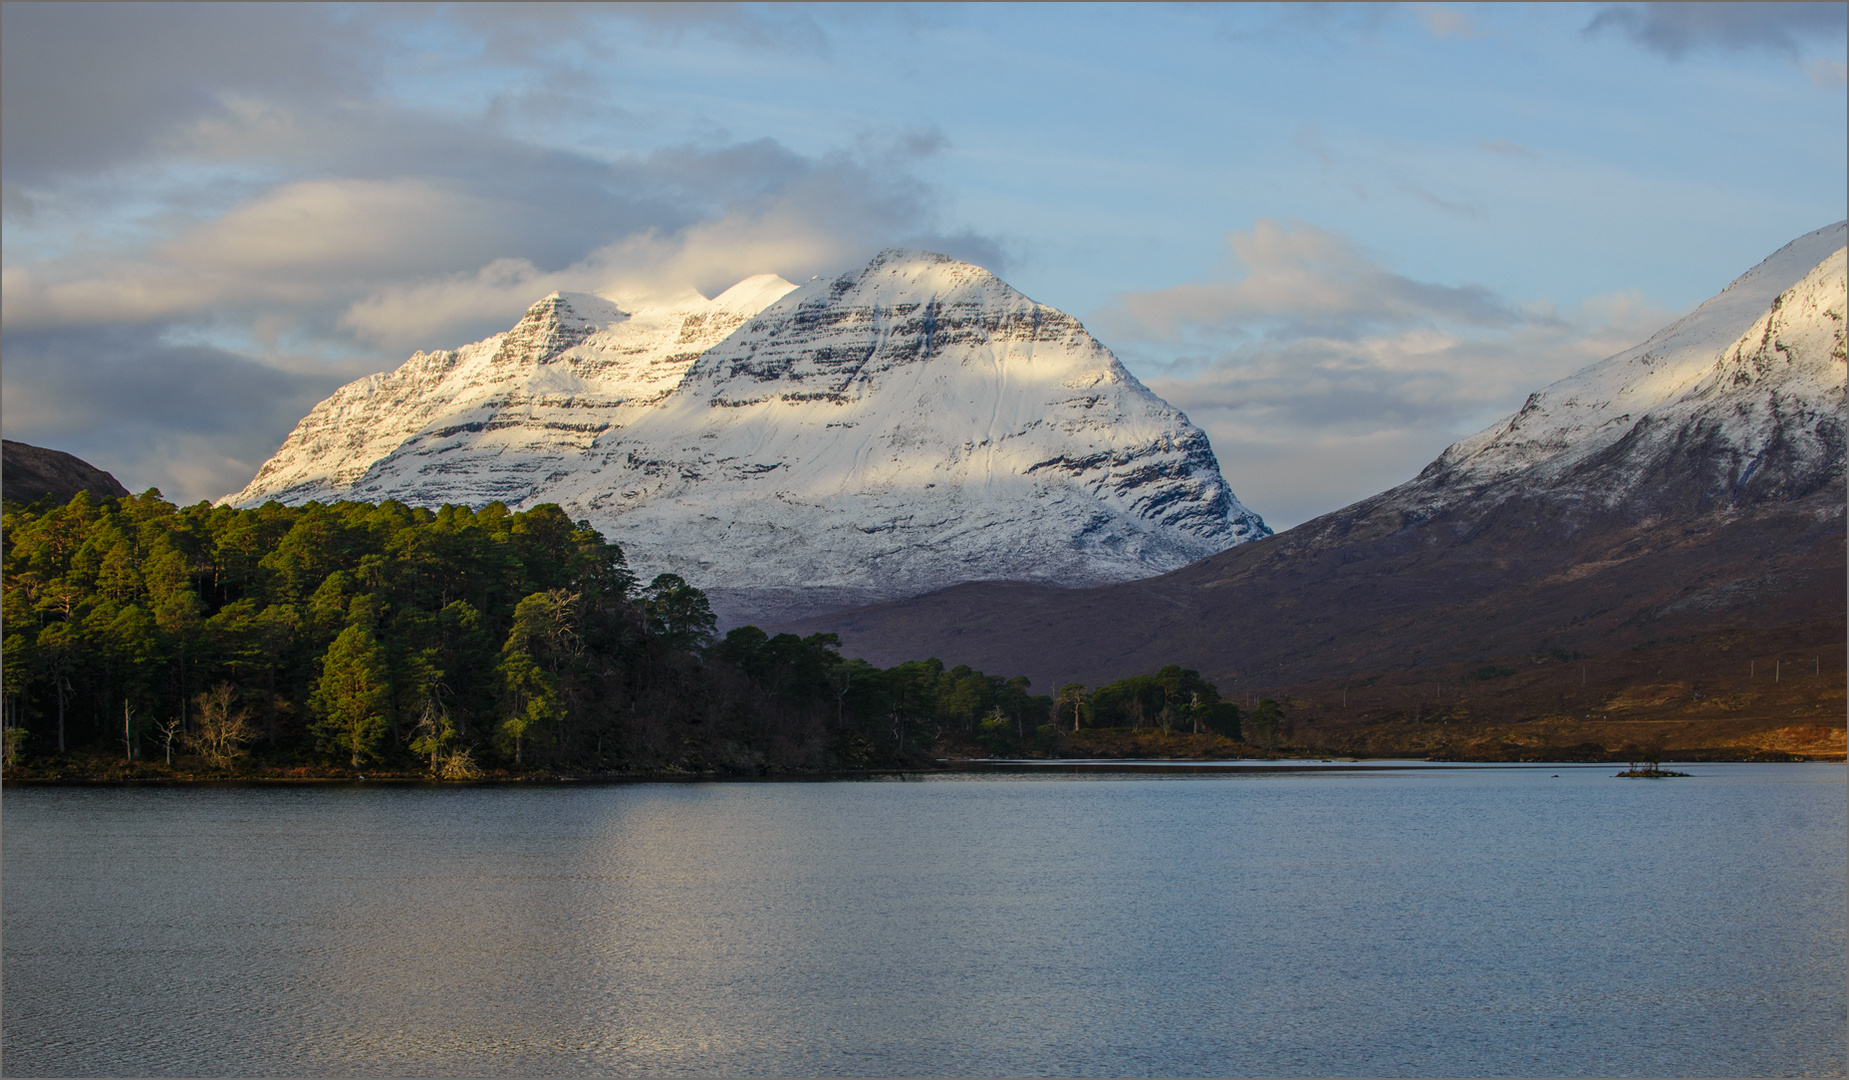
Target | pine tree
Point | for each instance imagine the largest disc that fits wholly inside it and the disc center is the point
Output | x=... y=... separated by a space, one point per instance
x=354 y=696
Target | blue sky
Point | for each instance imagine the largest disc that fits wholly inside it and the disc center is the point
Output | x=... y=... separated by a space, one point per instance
x=1338 y=237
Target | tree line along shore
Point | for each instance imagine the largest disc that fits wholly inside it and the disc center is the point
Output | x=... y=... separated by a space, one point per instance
x=148 y=640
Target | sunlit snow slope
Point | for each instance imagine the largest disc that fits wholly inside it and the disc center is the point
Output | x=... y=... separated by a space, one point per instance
x=501 y=418
x=1740 y=400
x=907 y=426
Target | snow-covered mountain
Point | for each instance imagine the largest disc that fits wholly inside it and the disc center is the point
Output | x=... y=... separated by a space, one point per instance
x=1739 y=401
x=907 y=426
x=1690 y=485
x=501 y=418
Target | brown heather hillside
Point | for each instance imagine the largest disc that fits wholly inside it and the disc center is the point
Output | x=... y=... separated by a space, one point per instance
x=32 y=472
x=1338 y=599
x=1724 y=695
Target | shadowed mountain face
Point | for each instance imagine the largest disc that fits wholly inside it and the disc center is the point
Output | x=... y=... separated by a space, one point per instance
x=1692 y=482
x=33 y=472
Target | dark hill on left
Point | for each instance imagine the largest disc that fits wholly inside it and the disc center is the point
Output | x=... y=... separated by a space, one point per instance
x=33 y=472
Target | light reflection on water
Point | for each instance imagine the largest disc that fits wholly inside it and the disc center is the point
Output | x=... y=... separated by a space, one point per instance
x=1463 y=921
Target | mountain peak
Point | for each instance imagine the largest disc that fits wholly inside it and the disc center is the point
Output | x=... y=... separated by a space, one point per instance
x=900 y=256
x=556 y=323
x=911 y=424
x=1690 y=485
x=753 y=294
x=1741 y=398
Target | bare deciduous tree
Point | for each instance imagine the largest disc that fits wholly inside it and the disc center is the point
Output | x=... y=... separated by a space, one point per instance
x=433 y=732
x=459 y=764
x=224 y=727
x=170 y=731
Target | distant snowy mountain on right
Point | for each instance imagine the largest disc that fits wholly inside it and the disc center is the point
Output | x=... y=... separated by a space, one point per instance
x=1738 y=402
x=1683 y=493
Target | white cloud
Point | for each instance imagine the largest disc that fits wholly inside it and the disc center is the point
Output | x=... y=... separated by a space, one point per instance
x=362 y=269
x=823 y=220
x=306 y=243
x=1323 y=377
x=446 y=311
x=1446 y=22
x=1299 y=280
x=1827 y=73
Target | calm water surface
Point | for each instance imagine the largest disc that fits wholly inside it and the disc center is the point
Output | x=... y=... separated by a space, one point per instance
x=1451 y=922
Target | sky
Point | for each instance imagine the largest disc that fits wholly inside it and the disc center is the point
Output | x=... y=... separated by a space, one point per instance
x=1338 y=237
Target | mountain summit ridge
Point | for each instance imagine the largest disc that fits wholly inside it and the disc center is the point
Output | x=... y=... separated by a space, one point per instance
x=909 y=425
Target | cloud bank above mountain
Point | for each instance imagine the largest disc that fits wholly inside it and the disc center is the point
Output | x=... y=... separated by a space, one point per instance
x=214 y=214
x=1304 y=352
x=257 y=214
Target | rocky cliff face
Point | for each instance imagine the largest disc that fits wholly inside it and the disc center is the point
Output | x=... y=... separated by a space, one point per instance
x=907 y=426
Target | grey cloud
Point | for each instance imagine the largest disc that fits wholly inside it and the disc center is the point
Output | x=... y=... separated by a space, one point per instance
x=282 y=195
x=1471 y=210
x=1309 y=384
x=1301 y=282
x=1508 y=149
x=1676 y=29
x=193 y=420
x=530 y=32
x=1322 y=376
x=94 y=86
x=89 y=86
x=102 y=376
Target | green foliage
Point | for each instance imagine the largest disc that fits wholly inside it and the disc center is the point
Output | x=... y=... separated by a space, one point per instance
x=353 y=697
x=1071 y=707
x=1490 y=671
x=996 y=733
x=1174 y=698
x=531 y=709
x=357 y=615
x=1263 y=727
x=677 y=613
x=11 y=739
x=453 y=641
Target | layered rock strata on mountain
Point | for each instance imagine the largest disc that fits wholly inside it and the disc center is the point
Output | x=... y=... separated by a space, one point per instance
x=1693 y=482
x=503 y=417
x=33 y=472
x=906 y=426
